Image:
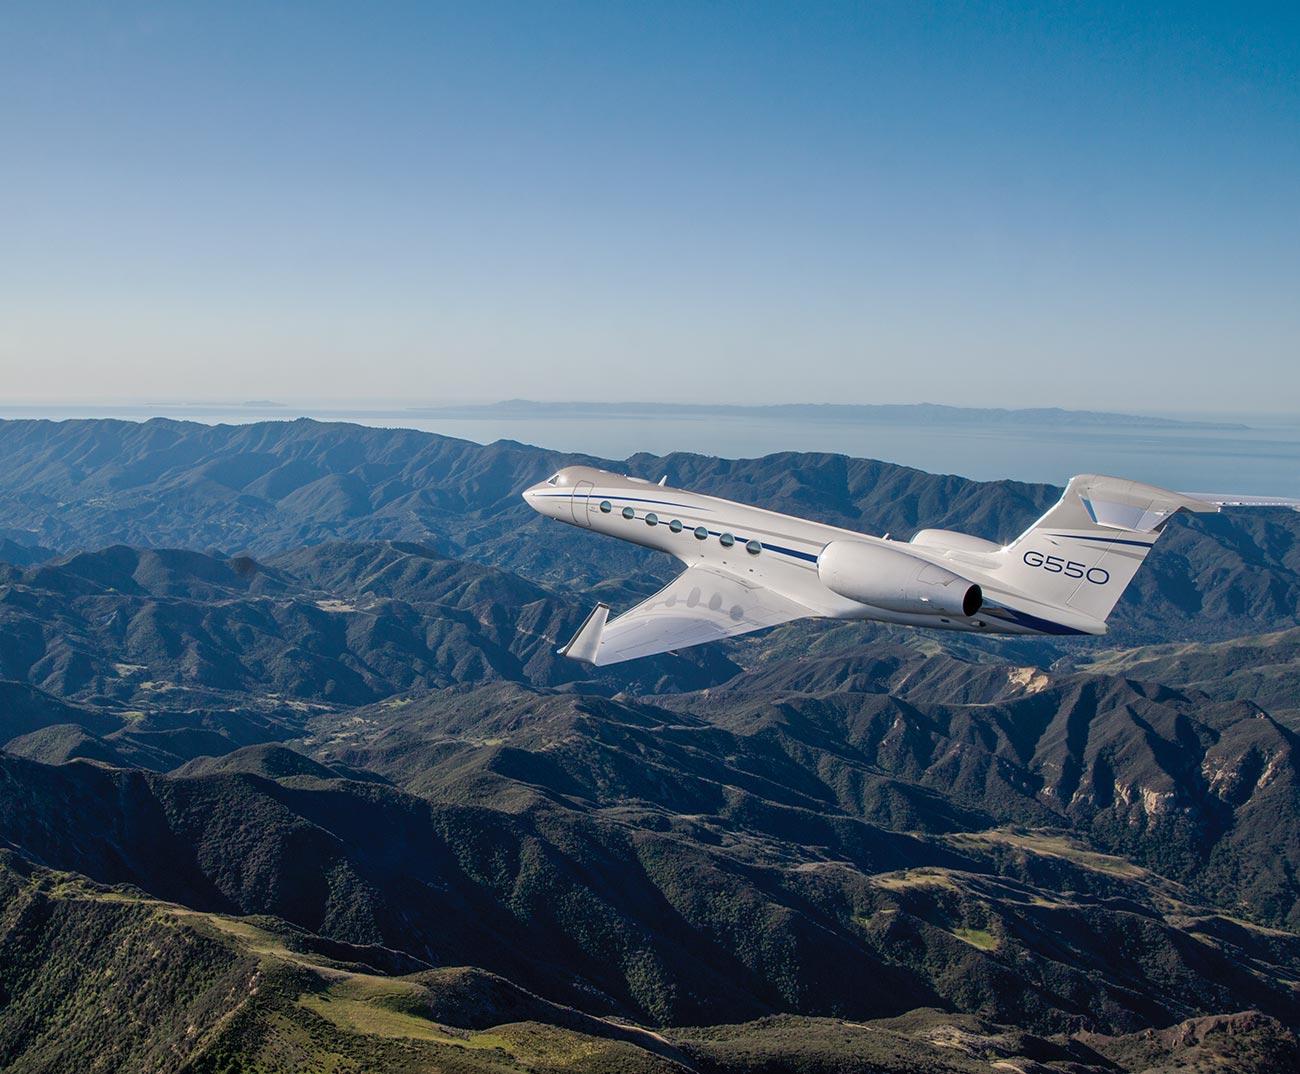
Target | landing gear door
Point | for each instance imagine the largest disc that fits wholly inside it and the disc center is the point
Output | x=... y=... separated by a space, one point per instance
x=581 y=492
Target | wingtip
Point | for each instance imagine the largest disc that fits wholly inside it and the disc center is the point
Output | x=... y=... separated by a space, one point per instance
x=585 y=644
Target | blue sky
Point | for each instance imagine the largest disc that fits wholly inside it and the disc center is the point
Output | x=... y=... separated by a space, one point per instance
x=997 y=204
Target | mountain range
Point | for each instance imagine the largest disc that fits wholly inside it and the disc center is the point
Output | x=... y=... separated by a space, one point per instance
x=292 y=776
x=271 y=487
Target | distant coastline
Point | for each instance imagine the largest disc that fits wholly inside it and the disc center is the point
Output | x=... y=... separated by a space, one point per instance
x=1259 y=455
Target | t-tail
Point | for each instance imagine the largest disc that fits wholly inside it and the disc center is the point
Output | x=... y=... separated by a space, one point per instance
x=1075 y=562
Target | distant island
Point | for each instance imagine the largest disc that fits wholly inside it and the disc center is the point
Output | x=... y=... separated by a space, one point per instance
x=891 y=413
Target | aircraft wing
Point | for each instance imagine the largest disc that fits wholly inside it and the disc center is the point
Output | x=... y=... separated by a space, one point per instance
x=701 y=604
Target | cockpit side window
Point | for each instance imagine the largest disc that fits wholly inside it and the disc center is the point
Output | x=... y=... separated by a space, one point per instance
x=554 y=479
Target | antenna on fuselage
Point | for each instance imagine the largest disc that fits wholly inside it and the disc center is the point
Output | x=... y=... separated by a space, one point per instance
x=662 y=480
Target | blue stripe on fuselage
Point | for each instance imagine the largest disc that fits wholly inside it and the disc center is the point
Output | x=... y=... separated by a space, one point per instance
x=788 y=551
x=1045 y=626
x=770 y=547
x=1104 y=540
x=793 y=553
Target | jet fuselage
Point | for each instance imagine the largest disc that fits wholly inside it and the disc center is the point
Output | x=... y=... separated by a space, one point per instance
x=779 y=552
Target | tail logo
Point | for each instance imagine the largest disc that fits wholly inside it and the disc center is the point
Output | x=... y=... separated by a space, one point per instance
x=1070 y=568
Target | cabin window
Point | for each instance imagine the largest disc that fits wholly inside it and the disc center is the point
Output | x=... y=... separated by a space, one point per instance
x=675 y=525
x=701 y=534
x=652 y=519
x=726 y=539
x=628 y=513
x=753 y=547
x=606 y=506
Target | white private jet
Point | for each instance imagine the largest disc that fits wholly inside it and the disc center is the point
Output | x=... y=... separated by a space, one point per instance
x=747 y=568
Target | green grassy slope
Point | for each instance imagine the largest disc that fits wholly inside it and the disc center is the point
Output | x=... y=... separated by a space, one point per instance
x=182 y=991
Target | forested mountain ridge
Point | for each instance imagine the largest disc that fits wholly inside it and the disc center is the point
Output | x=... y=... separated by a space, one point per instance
x=346 y=790
x=274 y=486
x=340 y=623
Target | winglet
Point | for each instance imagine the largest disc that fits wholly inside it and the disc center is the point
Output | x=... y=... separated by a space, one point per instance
x=585 y=644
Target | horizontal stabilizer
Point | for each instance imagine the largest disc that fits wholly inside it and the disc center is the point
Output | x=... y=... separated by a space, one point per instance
x=1232 y=499
x=1129 y=505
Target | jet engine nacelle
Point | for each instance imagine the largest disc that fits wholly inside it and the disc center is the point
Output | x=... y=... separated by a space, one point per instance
x=887 y=578
x=952 y=541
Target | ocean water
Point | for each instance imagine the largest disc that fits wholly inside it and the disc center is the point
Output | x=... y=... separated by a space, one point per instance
x=1252 y=455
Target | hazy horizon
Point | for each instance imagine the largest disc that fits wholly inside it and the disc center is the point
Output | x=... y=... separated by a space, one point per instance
x=1244 y=454
x=306 y=406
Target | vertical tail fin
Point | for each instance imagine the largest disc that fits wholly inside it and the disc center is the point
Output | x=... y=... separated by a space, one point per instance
x=1083 y=553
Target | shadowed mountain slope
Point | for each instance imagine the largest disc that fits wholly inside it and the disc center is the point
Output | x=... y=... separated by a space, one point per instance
x=21 y=553
x=24 y=709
